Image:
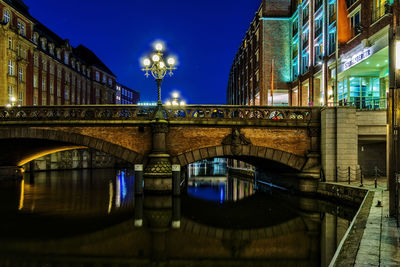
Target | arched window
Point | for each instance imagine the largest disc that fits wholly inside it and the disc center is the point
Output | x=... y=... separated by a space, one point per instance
x=7 y=16
x=35 y=38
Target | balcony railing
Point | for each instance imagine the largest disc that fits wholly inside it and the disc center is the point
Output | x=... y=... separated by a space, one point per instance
x=378 y=103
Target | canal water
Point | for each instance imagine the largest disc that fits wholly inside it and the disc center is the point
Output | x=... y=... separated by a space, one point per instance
x=225 y=217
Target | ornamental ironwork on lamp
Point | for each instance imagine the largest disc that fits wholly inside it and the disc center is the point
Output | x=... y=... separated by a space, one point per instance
x=158 y=68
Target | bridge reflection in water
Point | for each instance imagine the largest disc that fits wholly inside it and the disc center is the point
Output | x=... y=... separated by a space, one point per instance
x=88 y=218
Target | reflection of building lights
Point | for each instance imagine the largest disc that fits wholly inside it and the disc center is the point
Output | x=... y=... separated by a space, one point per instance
x=111 y=196
x=397 y=55
x=21 y=198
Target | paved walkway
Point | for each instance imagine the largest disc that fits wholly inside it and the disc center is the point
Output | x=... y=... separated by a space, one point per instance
x=380 y=243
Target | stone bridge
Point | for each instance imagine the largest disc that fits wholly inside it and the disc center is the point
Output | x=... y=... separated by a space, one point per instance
x=161 y=136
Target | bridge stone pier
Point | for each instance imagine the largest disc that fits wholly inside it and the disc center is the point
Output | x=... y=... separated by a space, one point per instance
x=288 y=137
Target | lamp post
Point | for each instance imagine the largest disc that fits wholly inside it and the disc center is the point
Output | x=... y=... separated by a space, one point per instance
x=158 y=67
x=157 y=174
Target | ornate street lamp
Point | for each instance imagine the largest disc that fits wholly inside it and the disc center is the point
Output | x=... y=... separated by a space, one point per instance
x=158 y=67
x=176 y=100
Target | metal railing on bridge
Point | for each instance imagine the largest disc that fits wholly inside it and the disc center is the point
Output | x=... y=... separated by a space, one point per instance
x=172 y=113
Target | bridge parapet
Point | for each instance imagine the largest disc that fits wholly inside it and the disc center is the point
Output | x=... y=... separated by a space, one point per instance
x=191 y=114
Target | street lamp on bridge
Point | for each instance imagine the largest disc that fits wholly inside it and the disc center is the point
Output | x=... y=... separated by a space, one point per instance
x=158 y=68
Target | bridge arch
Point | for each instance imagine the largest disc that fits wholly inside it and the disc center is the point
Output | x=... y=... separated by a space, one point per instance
x=251 y=151
x=56 y=140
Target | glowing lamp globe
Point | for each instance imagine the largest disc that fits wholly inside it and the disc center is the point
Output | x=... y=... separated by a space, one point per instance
x=146 y=62
x=156 y=58
x=171 y=61
x=159 y=46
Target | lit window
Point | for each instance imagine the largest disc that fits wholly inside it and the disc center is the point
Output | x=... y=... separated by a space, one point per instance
x=109 y=82
x=97 y=76
x=43 y=85
x=104 y=78
x=58 y=89
x=66 y=59
x=21 y=74
x=10 y=68
x=36 y=60
x=51 y=88
x=51 y=48
x=10 y=92
x=20 y=98
x=7 y=16
x=44 y=64
x=10 y=43
x=44 y=44
x=21 y=28
x=355 y=23
x=35 y=38
x=35 y=101
x=59 y=54
x=35 y=81
x=43 y=101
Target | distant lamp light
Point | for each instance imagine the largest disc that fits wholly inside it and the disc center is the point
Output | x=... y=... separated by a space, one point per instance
x=156 y=58
x=162 y=64
x=175 y=95
x=8 y=106
x=168 y=103
x=397 y=55
x=171 y=61
x=174 y=103
x=146 y=62
x=12 y=99
x=182 y=103
x=159 y=46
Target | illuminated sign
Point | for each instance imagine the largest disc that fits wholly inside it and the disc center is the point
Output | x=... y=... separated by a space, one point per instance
x=357 y=58
x=147 y=104
x=397 y=55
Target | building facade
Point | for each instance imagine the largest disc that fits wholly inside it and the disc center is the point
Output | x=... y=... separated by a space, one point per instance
x=38 y=67
x=126 y=95
x=41 y=68
x=291 y=47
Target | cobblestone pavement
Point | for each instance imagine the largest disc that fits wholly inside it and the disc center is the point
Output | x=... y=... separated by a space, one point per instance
x=380 y=243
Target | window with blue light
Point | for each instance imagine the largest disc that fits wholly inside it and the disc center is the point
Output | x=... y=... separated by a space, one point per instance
x=305 y=63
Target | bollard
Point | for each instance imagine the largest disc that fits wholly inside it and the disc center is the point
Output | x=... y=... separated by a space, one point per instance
x=376 y=177
x=362 y=178
x=176 y=179
x=138 y=179
x=138 y=216
x=349 y=173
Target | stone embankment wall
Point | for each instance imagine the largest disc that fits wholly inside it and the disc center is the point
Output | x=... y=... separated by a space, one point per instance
x=343 y=129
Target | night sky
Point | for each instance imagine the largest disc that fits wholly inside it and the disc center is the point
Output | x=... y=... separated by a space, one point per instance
x=204 y=35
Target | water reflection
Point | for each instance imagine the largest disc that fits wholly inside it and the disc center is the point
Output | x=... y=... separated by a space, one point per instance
x=95 y=217
x=211 y=180
x=77 y=192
